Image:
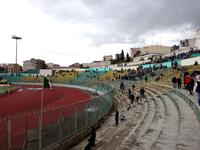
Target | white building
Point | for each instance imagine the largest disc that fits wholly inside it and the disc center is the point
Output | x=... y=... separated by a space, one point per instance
x=97 y=64
x=107 y=58
x=46 y=72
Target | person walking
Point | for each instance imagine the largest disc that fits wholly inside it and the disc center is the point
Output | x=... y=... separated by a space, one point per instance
x=179 y=82
x=197 y=89
x=146 y=78
x=92 y=137
x=116 y=117
x=174 y=82
x=137 y=95
x=191 y=85
x=132 y=97
x=133 y=87
x=91 y=140
x=142 y=91
x=122 y=87
x=188 y=83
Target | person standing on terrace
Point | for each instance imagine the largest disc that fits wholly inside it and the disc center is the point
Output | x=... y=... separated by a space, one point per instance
x=122 y=87
x=174 y=80
x=197 y=89
x=189 y=83
x=179 y=82
x=116 y=117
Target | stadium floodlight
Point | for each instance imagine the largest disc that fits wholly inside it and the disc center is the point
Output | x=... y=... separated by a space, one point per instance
x=16 y=38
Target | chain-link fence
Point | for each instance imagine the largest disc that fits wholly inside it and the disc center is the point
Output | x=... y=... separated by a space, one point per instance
x=22 y=131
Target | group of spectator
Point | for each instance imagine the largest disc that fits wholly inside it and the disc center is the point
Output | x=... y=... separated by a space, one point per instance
x=139 y=73
x=134 y=98
x=191 y=82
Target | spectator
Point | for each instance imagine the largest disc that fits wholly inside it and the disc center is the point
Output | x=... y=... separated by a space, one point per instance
x=157 y=78
x=142 y=91
x=146 y=78
x=175 y=65
x=122 y=87
x=92 y=138
x=196 y=63
x=185 y=74
x=133 y=86
x=179 y=82
x=137 y=95
x=116 y=117
x=197 y=89
x=172 y=64
x=174 y=82
x=132 y=99
x=192 y=83
x=188 y=83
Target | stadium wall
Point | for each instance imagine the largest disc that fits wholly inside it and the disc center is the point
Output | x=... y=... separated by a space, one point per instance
x=190 y=61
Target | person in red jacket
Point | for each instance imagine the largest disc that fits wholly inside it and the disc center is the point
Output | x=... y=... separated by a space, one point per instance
x=188 y=82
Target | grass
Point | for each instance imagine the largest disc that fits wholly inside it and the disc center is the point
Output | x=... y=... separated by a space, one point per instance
x=6 y=89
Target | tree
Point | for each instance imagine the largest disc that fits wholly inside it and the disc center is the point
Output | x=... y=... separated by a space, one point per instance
x=113 y=61
x=117 y=59
x=122 y=55
x=128 y=58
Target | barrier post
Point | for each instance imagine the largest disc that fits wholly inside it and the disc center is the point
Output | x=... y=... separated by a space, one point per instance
x=60 y=125
x=75 y=111
x=9 y=133
x=86 y=117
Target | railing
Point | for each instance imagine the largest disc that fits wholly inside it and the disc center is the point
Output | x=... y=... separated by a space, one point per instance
x=59 y=124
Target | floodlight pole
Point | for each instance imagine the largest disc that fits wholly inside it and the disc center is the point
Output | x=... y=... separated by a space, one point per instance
x=16 y=38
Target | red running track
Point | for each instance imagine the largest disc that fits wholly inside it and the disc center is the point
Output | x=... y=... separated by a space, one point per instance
x=28 y=99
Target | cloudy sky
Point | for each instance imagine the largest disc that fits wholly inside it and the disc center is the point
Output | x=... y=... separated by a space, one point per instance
x=69 y=31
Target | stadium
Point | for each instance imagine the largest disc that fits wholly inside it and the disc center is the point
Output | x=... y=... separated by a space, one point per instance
x=100 y=75
x=71 y=102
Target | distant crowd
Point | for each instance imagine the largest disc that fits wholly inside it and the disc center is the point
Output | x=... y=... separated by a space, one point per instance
x=174 y=57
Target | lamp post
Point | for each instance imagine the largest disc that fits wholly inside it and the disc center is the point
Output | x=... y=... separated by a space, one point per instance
x=16 y=38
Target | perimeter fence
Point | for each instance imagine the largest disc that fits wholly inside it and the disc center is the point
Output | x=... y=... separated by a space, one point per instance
x=63 y=123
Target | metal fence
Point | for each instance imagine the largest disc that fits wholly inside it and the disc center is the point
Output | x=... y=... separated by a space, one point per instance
x=21 y=131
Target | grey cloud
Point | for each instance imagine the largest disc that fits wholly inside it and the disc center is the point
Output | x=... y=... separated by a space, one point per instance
x=122 y=19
